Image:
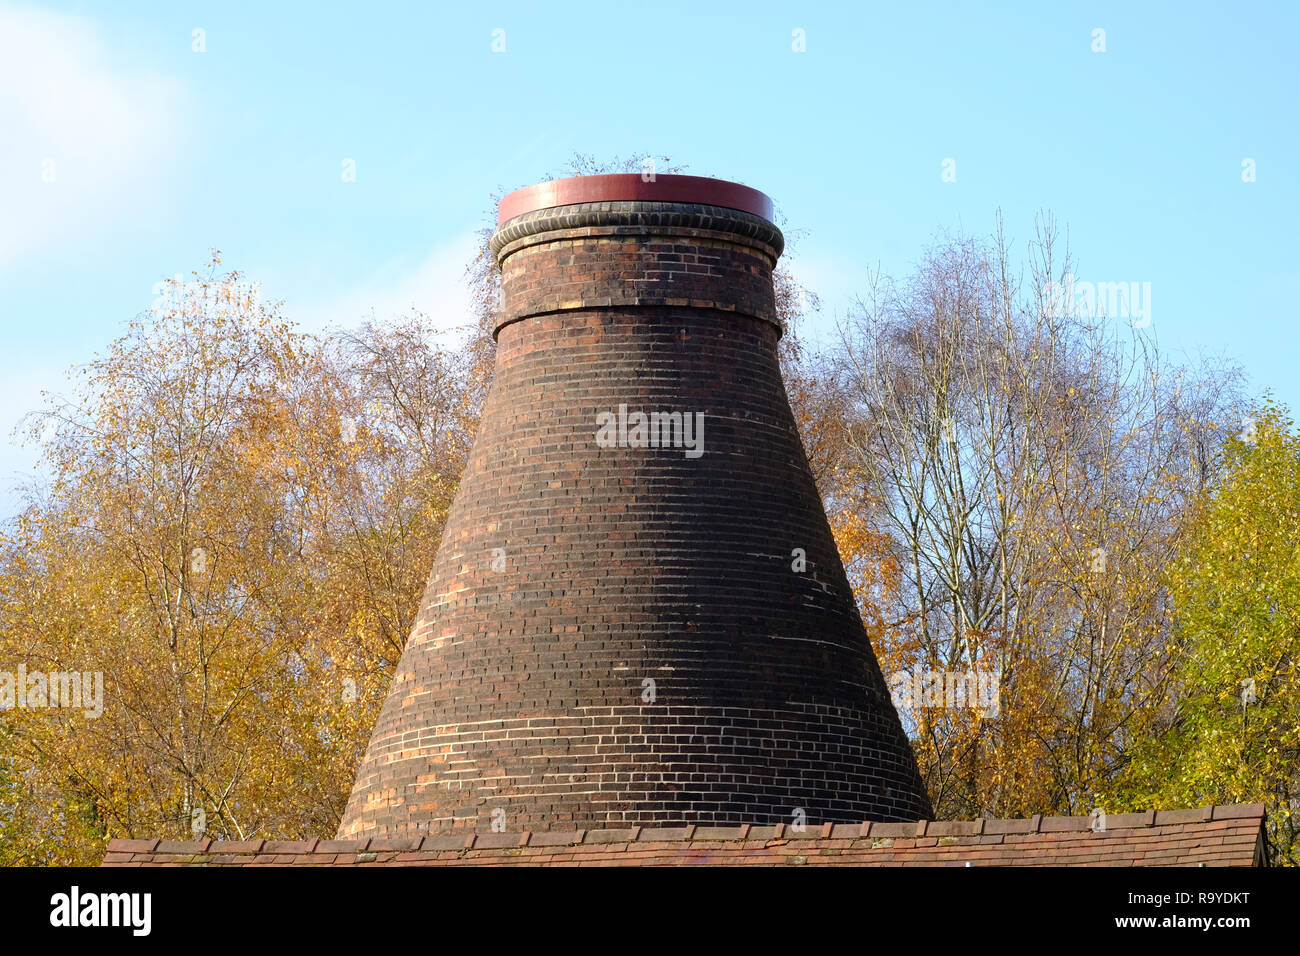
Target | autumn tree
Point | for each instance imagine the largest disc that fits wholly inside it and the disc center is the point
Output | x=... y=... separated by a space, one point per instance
x=1016 y=475
x=1231 y=732
x=236 y=533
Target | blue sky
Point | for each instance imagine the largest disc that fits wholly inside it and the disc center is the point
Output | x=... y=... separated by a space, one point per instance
x=161 y=153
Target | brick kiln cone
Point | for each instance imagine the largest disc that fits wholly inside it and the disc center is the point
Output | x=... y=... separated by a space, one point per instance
x=617 y=629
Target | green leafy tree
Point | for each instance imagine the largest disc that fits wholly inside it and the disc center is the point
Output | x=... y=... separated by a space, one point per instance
x=1234 y=734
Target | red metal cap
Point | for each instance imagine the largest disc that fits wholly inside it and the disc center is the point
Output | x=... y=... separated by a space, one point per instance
x=630 y=186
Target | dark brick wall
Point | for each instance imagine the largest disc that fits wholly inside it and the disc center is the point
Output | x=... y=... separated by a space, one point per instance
x=522 y=691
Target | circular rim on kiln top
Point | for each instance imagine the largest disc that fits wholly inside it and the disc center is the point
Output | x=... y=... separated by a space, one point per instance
x=625 y=187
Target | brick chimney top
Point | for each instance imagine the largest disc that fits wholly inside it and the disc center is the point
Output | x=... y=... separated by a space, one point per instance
x=619 y=241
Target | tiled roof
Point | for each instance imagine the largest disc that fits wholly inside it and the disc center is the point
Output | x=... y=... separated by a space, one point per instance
x=1211 y=836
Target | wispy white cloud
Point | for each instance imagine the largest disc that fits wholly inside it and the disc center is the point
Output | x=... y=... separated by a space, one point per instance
x=435 y=284
x=82 y=142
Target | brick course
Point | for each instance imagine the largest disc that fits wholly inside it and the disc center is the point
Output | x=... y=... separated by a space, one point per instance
x=520 y=691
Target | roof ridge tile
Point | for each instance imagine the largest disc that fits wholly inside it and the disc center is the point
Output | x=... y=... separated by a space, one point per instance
x=1220 y=835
